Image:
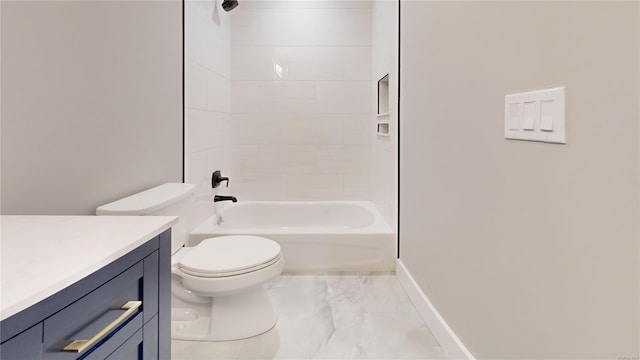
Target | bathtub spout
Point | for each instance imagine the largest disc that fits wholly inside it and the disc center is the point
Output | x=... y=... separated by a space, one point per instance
x=217 y=198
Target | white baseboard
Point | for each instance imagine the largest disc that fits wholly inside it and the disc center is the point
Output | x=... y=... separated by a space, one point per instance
x=453 y=347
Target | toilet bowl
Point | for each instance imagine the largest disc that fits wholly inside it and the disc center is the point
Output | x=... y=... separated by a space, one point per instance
x=226 y=277
x=218 y=288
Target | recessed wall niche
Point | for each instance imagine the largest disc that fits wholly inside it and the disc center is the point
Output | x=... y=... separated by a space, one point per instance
x=382 y=126
x=383 y=95
x=382 y=129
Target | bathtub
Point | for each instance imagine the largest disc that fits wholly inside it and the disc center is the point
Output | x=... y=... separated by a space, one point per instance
x=315 y=236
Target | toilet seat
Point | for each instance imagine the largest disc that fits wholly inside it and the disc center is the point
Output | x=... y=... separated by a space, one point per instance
x=229 y=256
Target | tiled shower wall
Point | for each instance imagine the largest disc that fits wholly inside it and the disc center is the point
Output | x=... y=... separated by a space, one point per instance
x=207 y=98
x=384 y=167
x=301 y=100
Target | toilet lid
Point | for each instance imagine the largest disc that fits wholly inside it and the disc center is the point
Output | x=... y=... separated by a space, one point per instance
x=229 y=255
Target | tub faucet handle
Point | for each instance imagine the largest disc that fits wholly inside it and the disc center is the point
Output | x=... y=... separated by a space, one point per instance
x=217 y=178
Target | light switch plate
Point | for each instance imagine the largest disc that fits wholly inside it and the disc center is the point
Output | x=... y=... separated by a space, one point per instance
x=536 y=116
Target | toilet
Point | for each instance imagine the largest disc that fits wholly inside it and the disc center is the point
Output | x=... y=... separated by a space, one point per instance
x=218 y=288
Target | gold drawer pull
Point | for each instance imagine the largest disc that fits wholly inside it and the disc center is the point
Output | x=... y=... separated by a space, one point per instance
x=79 y=345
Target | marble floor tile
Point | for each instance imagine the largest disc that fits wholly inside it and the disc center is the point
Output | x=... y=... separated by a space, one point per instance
x=367 y=335
x=401 y=336
x=289 y=339
x=339 y=293
x=383 y=293
x=292 y=293
x=331 y=317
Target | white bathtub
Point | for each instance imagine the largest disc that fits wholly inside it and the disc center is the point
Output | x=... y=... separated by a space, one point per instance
x=316 y=236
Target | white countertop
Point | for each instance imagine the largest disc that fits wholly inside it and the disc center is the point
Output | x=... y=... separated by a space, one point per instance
x=41 y=255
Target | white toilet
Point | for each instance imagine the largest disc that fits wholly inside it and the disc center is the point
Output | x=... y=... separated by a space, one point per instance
x=218 y=286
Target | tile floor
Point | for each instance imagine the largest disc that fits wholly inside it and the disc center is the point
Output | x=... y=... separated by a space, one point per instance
x=330 y=317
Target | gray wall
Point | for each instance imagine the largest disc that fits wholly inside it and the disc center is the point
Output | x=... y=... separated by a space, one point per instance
x=91 y=102
x=528 y=250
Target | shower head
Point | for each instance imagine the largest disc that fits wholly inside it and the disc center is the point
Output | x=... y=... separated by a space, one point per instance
x=229 y=5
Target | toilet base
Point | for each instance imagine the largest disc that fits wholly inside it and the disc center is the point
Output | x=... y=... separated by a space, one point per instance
x=230 y=317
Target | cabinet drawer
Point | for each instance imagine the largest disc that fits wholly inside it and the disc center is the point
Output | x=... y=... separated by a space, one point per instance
x=118 y=340
x=23 y=346
x=130 y=350
x=93 y=312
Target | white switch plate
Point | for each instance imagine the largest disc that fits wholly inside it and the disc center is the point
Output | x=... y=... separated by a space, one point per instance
x=536 y=116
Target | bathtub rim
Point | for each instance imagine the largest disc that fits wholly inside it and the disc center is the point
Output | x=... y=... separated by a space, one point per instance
x=378 y=226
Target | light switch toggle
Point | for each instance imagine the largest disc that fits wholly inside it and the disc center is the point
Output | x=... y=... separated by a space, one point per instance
x=546 y=115
x=514 y=116
x=529 y=115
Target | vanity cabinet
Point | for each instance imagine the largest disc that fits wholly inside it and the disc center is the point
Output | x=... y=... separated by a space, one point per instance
x=121 y=311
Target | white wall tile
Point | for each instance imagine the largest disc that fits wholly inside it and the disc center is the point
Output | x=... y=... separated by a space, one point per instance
x=199 y=169
x=195 y=125
x=327 y=129
x=344 y=159
x=358 y=99
x=204 y=129
x=303 y=27
x=288 y=97
x=357 y=180
x=314 y=187
x=302 y=130
x=293 y=4
x=207 y=85
x=358 y=129
x=275 y=27
x=350 y=97
x=357 y=193
x=326 y=166
x=197 y=174
x=344 y=152
x=196 y=171
x=359 y=4
x=315 y=63
x=272 y=97
x=314 y=179
x=357 y=63
x=296 y=128
x=330 y=97
x=260 y=190
x=259 y=63
x=207 y=42
x=261 y=176
x=325 y=192
x=384 y=180
x=218 y=159
x=357 y=186
x=259 y=185
x=195 y=86
x=247 y=129
x=225 y=131
x=348 y=27
x=287 y=158
x=245 y=97
x=381 y=162
x=218 y=92
x=245 y=160
x=384 y=165
x=278 y=129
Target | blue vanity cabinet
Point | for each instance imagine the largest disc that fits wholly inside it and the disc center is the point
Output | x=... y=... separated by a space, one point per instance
x=123 y=310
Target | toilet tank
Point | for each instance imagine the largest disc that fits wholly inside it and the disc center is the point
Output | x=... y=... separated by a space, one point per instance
x=171 y=199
